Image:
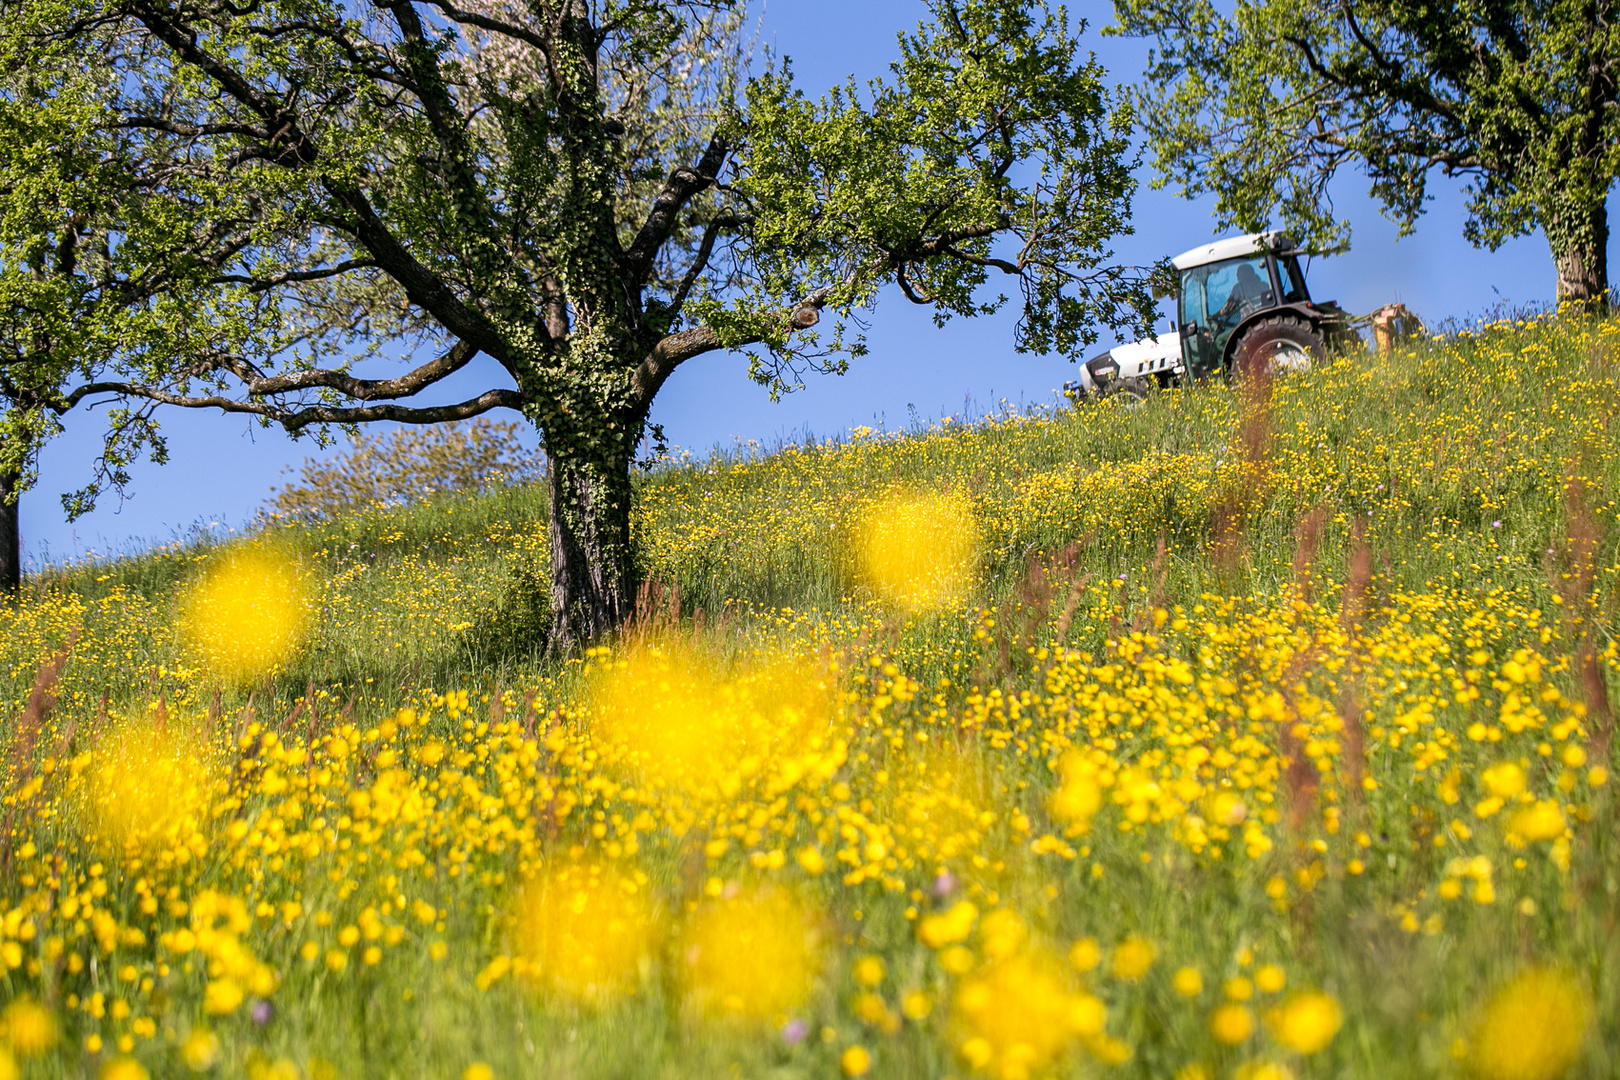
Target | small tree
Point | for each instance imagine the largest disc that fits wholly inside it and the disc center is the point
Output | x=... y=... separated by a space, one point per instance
x=575 y=189
x=406 y=465
x=1264 y=105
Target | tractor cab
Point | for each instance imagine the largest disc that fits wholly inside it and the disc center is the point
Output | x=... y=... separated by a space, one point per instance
x=1225 y=286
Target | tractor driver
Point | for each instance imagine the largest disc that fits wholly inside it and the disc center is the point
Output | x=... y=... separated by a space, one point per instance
x=1248 y=291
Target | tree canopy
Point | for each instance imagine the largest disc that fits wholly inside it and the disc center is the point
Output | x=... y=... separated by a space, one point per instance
x=589 y=192
x=1263 y=103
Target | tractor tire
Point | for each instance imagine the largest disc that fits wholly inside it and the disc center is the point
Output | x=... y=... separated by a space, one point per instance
x=1133 y=392
x=1277 y=344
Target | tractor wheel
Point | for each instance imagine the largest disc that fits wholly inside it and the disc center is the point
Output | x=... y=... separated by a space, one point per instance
x=1133 y=391
x=1277 y=344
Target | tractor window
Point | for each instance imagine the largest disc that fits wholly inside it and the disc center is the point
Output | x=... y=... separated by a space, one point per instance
x=1235 y=288
x=1192 y=297
x=1293 y=282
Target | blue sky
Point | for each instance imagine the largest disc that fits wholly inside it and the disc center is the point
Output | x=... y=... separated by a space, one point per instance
x=222 y=468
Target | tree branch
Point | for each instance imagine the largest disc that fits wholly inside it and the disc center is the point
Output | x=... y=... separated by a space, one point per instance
x=458 y=356
x=294 y=420
x=683 y=183
x=700 y=261
x=265 y=284
x=681 y=346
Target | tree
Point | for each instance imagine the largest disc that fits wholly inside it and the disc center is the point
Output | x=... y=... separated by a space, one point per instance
x=1263 y=106
x=557 y=185
x=80 y=289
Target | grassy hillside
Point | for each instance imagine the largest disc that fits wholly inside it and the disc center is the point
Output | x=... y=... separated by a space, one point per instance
x=1255 y=732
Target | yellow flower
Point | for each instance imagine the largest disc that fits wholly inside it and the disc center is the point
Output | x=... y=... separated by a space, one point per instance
x=918 y=550
x=916 y=1005
x=478 y=1071
x=29 y=1027
x=753 y=957
x=1020 y=1014
x=950 y=927
x=1270 y=979
x=246 y=614
x=1086 y=955
x=201 y=1050
x=8 y=1065
x=1263 y=1070
x=221 y=997
x=1540 y=821
x=584 y=930
x=1001 y=933
x=1530 y=1029
x=855 y=1061
x=1238 y=988
x=1505 y=781
x=1132 y=958
x=124 y=1068
x=1188 y=982
x=868 y=971
x=1231 y=1024
x=1307 y=1021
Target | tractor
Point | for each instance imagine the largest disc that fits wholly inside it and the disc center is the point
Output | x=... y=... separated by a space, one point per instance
x=1241 y=307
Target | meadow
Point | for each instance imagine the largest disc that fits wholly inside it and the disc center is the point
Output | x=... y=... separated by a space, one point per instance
x=1259 y=732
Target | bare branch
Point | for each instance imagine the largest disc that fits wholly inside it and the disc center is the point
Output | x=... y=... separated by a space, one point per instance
x=684 y=182
x=298 y=418
x=265 y=284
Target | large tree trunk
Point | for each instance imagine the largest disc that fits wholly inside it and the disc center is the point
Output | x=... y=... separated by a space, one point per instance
x=10 y=534
x=593 y=583
x=1578 y=233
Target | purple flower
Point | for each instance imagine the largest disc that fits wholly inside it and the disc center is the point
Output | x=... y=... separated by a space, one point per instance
x=1496 y=524
x=262 y=1012
x=795 y=1031
x=944 y=884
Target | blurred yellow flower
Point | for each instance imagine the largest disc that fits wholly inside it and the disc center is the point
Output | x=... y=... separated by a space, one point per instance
x=221 y=997
x=918 y=550
x=1001 y=933
x=1542 y=820
x=916 y=1005
x=1188 y=982
x=1021 y=1014
x=1505 y=780
x=1132 y=958
x=29 y=1027
x=478 y=1071
x=200 y=1050
x=1231 y=1024
x=868 y=971
x=855 y=1061
x=1085 y=955
x=1080 y=795
x=246 y=614
x=1270 y=979
x=124 y=1068
x=753 y=956
x=949 y=927
x=583 y=930
x=1307 y=1021
x=1530 y=1029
